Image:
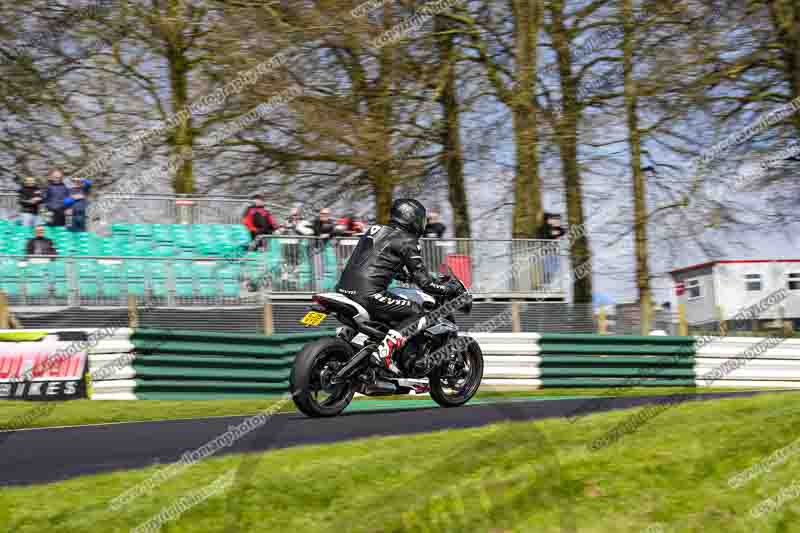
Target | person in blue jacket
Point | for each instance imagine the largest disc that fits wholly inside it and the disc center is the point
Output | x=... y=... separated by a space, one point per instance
x=77 y=202
x=54 y=197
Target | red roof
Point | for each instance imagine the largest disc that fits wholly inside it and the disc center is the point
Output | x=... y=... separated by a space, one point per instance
x=729 y=261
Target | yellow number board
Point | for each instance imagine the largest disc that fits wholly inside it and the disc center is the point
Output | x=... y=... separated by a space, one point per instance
x=313 y=318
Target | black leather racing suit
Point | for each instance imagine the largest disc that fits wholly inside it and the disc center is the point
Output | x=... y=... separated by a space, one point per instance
x=381 y=256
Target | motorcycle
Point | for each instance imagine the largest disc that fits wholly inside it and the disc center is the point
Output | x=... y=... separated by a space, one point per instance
x=327 y=373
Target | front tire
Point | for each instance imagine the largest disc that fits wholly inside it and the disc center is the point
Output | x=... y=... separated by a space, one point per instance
x=454 y=390
x=310 y=375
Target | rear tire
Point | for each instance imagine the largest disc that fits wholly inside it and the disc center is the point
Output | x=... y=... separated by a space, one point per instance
x=309 y=372
x=439 y=383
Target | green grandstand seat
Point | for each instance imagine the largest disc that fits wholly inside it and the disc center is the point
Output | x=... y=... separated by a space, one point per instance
x=9 y=277
x=87 y=277
x=158 y=278
x=135 y=275
x=111 y=279
x=229 y=276
x=142 y=249
x=119 y=229
x=204 y=274
x=36 y=274
x=142 y=231
x=58 y=278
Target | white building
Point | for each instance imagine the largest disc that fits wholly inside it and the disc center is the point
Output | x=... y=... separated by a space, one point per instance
x=731 y=286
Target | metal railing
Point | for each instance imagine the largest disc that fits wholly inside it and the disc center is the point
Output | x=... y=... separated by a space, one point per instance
x=159 y=208
x=289 y=266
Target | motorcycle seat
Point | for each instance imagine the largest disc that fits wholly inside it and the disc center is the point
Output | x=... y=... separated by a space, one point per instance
x=339 y=303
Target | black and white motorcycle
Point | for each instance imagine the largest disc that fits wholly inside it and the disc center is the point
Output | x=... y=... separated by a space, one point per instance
x=327 y=373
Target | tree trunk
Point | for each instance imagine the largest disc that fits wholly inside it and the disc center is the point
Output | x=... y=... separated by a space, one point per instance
x=639 y=185
x=567 y=138
x=528 y=213
x=178 y=64
x=382 y=175
x=452 y=152
x=786 y=19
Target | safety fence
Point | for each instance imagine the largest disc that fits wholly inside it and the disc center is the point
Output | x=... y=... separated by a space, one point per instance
x=281 y=316
x=160 y=208
x=166 y=364
x=95 y=273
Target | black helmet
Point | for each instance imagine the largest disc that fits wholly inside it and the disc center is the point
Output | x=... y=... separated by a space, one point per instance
x=409 y=214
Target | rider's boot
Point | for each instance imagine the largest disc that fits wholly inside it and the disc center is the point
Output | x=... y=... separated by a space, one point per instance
x=389 y=346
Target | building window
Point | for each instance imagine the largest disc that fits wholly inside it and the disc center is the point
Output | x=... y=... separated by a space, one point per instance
x=794 y=281
x=693 y=289
x=752 y=282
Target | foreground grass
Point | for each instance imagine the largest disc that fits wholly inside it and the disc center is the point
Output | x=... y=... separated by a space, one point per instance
x=669 y=475
x=20 y=414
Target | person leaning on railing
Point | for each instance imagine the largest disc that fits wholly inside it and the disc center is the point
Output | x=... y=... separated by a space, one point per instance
x=54 y=197
x=30 y=199
x=258 y=220
x=434 y=228
x=551 y=230
x=77 y=204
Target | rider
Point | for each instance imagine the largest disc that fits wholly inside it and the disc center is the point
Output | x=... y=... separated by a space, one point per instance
x=382 y=254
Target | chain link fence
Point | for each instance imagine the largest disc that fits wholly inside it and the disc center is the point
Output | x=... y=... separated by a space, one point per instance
x=533 y=317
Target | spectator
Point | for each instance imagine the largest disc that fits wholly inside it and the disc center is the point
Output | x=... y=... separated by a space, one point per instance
x=435 y=229
x=30 y=198
x=78 y=203
x=54 y=197
x=552 y=228
x=258 y=220
x=40 y=245
x=296 y=224
x=323 y=226
x=347 y=226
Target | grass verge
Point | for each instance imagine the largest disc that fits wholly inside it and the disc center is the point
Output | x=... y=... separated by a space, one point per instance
x=669 y=475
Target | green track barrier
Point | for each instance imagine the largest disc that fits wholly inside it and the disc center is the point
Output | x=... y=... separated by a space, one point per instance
x=637 y=372
x=622 y=349
x=589 y=360
x=592 y=338
x=563 y=360
x=188 y=365
x=613 y=382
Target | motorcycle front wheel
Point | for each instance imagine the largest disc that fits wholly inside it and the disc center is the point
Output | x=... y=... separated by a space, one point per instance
x=455 y=384
x=309 y=382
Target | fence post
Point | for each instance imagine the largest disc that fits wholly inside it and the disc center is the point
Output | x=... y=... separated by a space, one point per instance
x=269 y=327
x=646 y=310
x=516 y=324
x=133 y=312
x=683 y=325
x=787 y=326
x=723 y=327
x=602 y=321
x=4 y=313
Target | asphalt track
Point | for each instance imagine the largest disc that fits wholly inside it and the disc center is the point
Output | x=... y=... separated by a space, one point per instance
x=53 y=454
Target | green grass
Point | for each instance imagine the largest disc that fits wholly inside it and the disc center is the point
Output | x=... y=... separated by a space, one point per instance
x=525 y=476
x=20 y=414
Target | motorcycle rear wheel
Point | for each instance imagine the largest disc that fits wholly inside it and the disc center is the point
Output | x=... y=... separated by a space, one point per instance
x=313 y=367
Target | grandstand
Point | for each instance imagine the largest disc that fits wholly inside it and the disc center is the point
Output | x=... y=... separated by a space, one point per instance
x=203 y=264
x=197 y=260
x=191 y=251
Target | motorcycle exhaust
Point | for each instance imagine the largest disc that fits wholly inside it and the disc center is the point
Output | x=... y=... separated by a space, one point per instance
x=380 y=388
x=350 y=368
